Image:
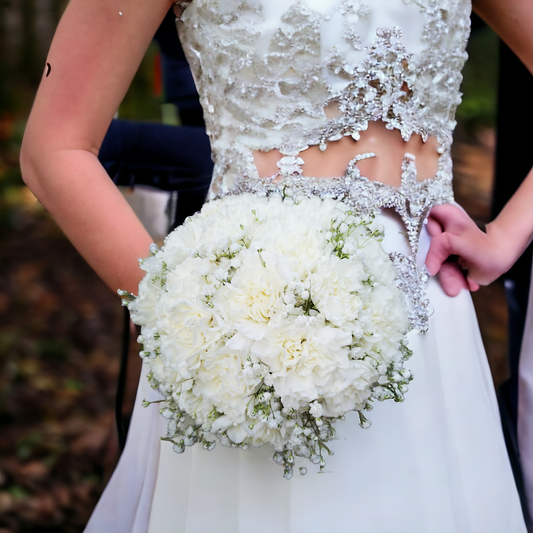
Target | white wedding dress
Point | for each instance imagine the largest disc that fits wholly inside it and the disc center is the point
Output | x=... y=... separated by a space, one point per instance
x=269 y=72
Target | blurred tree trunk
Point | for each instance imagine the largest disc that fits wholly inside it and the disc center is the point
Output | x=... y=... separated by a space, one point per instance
x=3 y=17
x=57 y=8
x=4 y=100
x=29 y=57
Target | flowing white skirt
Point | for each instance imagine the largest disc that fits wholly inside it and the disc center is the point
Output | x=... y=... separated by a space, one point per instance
x=435 y=463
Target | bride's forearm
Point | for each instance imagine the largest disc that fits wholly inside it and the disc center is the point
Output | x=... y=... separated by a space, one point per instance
x=513 y=227
x=75 y=189
x=96 y=50
x=94 y=55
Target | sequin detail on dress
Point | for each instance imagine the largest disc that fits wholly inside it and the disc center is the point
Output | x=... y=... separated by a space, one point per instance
x=267 y=75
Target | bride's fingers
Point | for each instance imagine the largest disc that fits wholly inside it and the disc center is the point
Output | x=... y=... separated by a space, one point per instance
x=433 y=227
x=451 y=218
x=472 y=285
x=447 y=224
x=441 y=247
x=452 y=278
x=453 y=232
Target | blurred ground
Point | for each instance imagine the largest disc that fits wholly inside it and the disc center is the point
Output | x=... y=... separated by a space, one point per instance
x=59 y=348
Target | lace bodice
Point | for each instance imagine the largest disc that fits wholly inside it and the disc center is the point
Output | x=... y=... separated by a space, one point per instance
x=290 y=74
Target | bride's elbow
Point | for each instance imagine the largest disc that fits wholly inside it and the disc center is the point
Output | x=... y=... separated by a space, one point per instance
x=36 y=154
x=29 y=162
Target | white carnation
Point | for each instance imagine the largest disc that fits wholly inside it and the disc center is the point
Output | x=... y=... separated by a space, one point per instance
x=335 y=287
x=260 y=314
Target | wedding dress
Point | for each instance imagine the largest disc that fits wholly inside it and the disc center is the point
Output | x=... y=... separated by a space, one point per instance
x=287 y=75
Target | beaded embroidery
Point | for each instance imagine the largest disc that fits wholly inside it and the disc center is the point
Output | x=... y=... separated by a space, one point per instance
x=267 y=70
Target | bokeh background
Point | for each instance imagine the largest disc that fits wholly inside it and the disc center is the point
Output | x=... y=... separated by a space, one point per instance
x=61 y=328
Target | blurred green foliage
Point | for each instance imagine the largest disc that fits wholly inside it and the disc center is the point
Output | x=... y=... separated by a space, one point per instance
x=480 y=80
x=140 y=102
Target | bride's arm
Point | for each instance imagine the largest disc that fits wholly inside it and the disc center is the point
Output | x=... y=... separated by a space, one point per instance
x=488 y=255
x=94 y=55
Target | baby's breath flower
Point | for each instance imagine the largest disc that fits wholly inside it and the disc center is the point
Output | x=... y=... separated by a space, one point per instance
x=255 y=334
x=315 y=409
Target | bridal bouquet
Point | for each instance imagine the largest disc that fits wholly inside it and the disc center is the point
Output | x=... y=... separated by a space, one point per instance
x=265 y=320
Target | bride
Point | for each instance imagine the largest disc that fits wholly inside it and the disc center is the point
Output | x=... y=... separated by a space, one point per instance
x=341 y=99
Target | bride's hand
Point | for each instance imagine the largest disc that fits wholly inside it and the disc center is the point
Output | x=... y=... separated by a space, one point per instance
x=481 y=257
